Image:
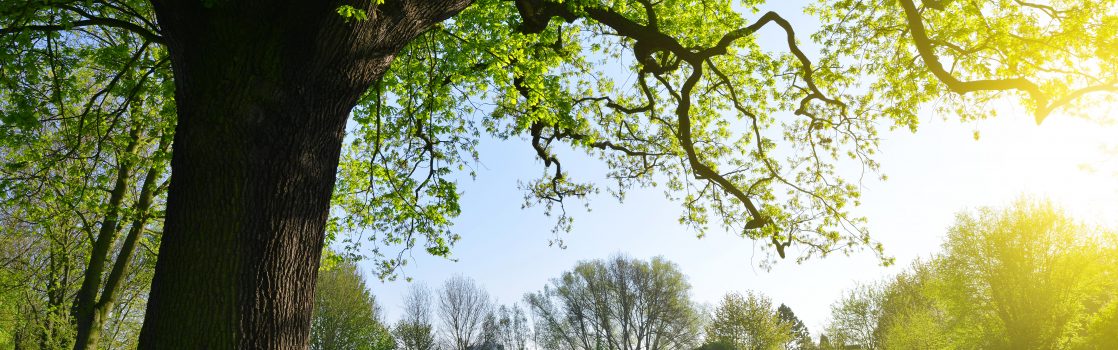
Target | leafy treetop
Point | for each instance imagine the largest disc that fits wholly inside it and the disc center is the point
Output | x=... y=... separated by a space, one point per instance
x=675 y=94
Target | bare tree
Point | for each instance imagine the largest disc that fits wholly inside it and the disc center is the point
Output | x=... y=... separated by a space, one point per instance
x=620 y=303
x=414 y=330
x=463 y=306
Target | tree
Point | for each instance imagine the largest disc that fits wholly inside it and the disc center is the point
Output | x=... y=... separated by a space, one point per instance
x=716 y=345
x=801 y=337
x=825 y=343
x=749 y=322
x=513 y=329
x=1029 y=274
x=414 y=330
x=490 y=335
x=413 y=336
x=1024 y=276
x=82 y=184
x=504 y=328
x=104 y=277
x=346 y=315
x=854 y=318
x=619 y=303
x=263 y=90
x=912 y=317
x=462 y=308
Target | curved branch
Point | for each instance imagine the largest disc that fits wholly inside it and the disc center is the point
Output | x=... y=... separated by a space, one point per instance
x=1045 y=103
x=701 y=170
x=927 y=53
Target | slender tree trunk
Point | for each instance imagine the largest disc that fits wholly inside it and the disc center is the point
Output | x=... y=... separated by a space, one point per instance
x=88 y=327
x=92 y=321
x=264 y=89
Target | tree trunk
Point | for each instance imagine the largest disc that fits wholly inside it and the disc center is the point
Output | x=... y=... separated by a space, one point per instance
x=88 y=325
x=92 y=319
x=264 y=89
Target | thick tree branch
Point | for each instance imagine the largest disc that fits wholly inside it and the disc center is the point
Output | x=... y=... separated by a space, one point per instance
x=931 y=60
x=701 y=170
x=1045 y=103
x=648 y=39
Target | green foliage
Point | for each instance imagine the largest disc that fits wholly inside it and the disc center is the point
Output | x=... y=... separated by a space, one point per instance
x=1100 y=330
x=680 y=95
x=352 y=13
x=414 y=336
x=855 y=317
x=677 y=95
x=801 y=338
x=748 y=322
x=1024 y=277
x=485 y=71
x=1065 y=49
x=716 y=345
x=83 y=107
x=909 y=318
x=346 y=316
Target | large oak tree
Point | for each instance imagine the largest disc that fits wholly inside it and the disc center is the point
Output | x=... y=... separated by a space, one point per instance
x=744 y=136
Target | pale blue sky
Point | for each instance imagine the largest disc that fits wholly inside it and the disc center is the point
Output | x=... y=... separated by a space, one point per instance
x=933 y=174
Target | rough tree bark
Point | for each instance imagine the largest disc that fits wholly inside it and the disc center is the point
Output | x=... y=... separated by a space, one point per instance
x=264 y=88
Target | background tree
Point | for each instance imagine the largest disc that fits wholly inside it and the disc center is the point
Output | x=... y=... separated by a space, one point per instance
x=912 y=317
x=490 y=337
x=1031 y=267
x=854 y=318
x=414 y=330
x=260 y=106
x=346 y=315
x=84 y=147
x=1024 y=276
x=619 y=303
x=463 y=306
x=825 y=343
x=1106 y=317
x=414 y=336
x=716 y=345
x=801 y=337
x=749 y=322
x=515 y=333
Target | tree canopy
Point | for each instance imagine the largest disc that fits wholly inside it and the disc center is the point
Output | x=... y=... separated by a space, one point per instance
x=745 y=137
x=617 y=303
x=750 y=322
x=1025 y=276
x=346 y=315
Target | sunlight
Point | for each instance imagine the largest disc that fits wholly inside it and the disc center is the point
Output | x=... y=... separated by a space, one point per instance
x=1070 y=160
x=878 y=167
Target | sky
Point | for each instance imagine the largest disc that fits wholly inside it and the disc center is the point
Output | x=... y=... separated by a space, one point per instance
x=933 y=173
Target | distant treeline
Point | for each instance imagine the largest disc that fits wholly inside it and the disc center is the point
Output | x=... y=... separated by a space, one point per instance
x=1027 y=276
x=1023 y=277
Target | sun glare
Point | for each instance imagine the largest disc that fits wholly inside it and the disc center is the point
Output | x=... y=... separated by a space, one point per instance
x=1070 y=160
